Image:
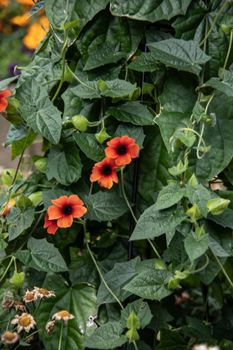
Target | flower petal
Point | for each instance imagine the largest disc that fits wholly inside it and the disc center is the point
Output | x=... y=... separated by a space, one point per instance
x=75 y=200
x=61 y=201
x=54 y=212
x=3 y=104
x=78 y=211
x=134 y=150
x=66 y=221
x=123 y=160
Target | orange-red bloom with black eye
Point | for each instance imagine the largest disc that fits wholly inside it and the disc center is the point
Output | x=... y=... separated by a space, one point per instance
x=3 y=99
x=65 y=209
x=105 y=173
x=122 y=150
x=51 y=225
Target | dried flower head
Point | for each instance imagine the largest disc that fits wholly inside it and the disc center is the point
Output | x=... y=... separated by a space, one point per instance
x=63 y=315
x=50 y=325
x=24 y=322
x=9 y=337
x=29 y=296
x=7 y=304
x=43 y=293
x=19 y=306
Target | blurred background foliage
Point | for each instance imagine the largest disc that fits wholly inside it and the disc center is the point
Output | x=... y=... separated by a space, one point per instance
x=21 y=30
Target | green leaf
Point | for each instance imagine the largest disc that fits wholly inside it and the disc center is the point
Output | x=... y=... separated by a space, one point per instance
x=144 y=63
x=180 y=54
x=132 y=112
x=116 y=279
x=199 y=195
x=74 y=105
x=38 y=111
x=225 y=219
x=150 y=284
x=64 y=166
x=42 y=256
x=19 y=221
x=104 y=206
x=225 y=85
x=89 y=146
x=149 y=10
x=5 y=83
x=141 y=309
x=107 y=336
x=170 y=340
x=114 y=88
x=153 y=223
x=196 y=247
x=168 y=196
x=80 y=300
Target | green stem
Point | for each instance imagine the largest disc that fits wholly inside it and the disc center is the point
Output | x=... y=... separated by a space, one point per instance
x=131 y=211
x=97 y=267
x=77 y=78
x=60 y=339
x=229 y=50
x=9 y=265
x=63 y=54
x=202 y=267
x=214 y=22
x=135 y=345
x=223 y=270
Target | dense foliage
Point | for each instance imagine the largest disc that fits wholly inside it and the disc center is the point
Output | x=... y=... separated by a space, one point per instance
x=143 y=261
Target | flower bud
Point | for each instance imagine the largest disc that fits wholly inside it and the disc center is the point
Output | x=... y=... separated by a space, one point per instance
x=194 y=213
x=102 y=85
x=132 y=335
x=102 y=136
x=133 y=321
x=36 y=198
x=80 y=122
x=216 y=206
x=18 y=279
x=40 y=164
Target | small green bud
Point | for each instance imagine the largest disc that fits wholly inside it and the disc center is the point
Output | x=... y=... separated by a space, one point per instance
x=40 y=164
x=194 y=213
x=174 y=283
x=133 y=321
x=200 y=231
x=193 y=181
x=36 y=198
x=102 y=136
x=80 y=122
x=102 y=85
x=18 y=279
x=216 y=206
x=178 y=169
x=225 y=28
x=160 y=264
x=132 y=335
x=181 y=275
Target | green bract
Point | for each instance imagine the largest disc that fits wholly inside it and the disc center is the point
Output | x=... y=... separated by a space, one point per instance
x=138 y=254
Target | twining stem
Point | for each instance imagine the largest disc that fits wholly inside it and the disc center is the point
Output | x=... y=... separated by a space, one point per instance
x=214 y=22
x=223 y=270
x=202 y=267
x=98 y=269
x=63 y=54
x=61 y=334
x=131 y=211
x=9 y=265
x=229 y=50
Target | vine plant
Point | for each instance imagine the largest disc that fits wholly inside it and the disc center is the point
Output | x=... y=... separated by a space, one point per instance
x=120 y=236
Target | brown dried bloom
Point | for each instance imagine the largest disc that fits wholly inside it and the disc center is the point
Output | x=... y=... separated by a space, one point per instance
x=7 y=304
x=24 y=322
x=29 y=296
x=50 y=325
x=43 y=293
x=9 y=337
x=19 y=306
x=63 y=315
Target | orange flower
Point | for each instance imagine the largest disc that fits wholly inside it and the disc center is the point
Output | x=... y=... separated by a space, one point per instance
x=122 y=150
x=51 y=225
x=105 y=173
x=65 y=209
x=4 y=3
x=36 y=33
x=3 y=99
x=7 y=208
x=26 y=2
x=20 y=20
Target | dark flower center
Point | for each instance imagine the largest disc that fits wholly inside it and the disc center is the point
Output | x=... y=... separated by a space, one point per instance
x=67 y=210
x=107 y=170
x=121 y=150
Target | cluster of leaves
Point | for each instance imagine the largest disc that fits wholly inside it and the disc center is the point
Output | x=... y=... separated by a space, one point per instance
x=159 y=72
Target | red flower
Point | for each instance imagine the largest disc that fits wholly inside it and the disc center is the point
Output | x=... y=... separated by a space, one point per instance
x=122 y=150
x=3 y=99
x=65 y=209
x=105 y=173
x=51 y=225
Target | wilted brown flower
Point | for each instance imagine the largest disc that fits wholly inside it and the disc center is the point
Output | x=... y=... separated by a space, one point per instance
x=19 y=306
x=9 y=337
x=63 y=315
x=50 y=327
x=29 y=296
x=7 y=304
x=24 y=322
